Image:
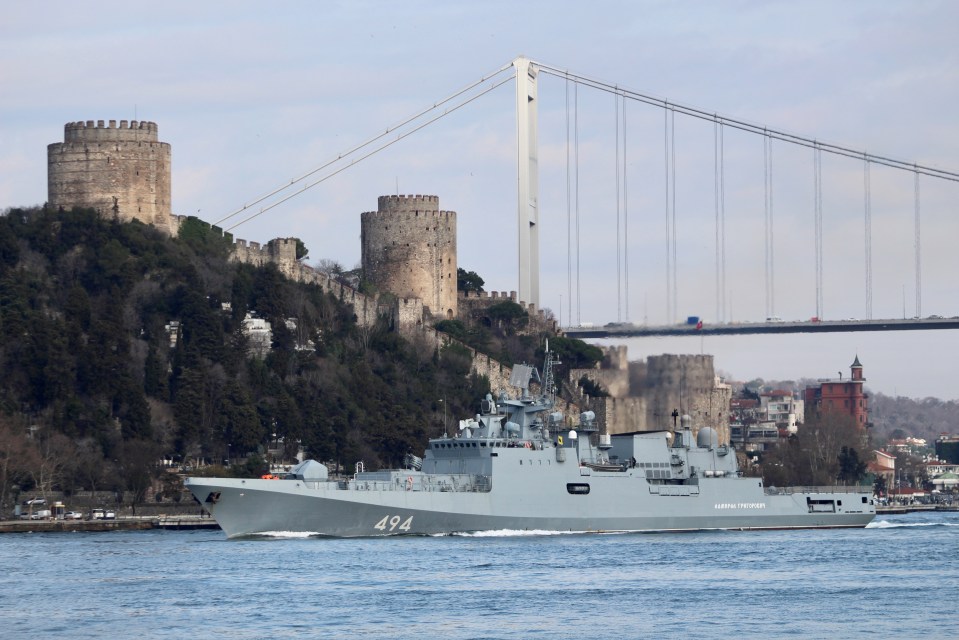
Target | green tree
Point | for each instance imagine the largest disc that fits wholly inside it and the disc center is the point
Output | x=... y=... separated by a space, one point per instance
x=301 y=250
x=851 y=468
x=468 y=281
x=879 y=486
x=237 y=420
x=204 y=239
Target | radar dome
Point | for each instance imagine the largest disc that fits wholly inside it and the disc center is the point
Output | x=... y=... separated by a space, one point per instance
x=707 y=438
x=310 y=471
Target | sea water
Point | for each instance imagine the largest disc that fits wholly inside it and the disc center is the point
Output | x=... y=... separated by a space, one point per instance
x=898 y=578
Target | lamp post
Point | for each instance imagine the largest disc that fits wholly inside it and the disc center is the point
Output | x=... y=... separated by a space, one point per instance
x=443 y=402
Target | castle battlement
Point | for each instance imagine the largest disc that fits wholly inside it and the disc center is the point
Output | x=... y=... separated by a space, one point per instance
x=409 y=215
x=397 y=204
x=132 y=131
x=493 y=295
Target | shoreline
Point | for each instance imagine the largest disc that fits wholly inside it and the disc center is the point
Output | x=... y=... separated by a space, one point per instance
x=173 y=523
x=896 y=509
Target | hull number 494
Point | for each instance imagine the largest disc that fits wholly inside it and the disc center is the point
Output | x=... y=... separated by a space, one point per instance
x=392 y=523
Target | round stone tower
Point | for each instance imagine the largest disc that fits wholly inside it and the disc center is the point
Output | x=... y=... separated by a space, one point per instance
x=409 y=249
x=123 y=172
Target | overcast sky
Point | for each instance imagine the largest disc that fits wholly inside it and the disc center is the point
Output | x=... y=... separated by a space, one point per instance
x=252 y=95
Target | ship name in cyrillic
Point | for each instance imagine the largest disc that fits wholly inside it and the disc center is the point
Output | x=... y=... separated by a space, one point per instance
x=740 y=505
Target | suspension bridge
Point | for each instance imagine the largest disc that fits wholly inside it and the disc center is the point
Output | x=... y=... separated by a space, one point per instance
x=682 y=236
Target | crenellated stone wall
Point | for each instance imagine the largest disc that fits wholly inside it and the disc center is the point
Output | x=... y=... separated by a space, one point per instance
x=473 y=307
x=644 y=394
x=279 y=251
x=121 y=171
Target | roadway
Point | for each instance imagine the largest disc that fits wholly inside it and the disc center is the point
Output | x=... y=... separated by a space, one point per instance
x=626 y=330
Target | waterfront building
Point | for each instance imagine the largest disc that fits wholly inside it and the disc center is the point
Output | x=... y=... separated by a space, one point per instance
x=841 y=396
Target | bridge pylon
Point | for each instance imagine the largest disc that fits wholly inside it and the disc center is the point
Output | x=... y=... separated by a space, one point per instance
x=527 y=143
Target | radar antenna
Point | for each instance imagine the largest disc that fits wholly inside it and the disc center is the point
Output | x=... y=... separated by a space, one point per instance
x=549 y=388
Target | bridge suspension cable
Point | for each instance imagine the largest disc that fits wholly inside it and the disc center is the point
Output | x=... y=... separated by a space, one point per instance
x=579 y=319
x=625 y=220
x=867 y=188
x=669 y=143
x=768 y=207
x=569 y=224
x=817 y=215
x=389 y=130
x=619 y=287
x=918 y=251
x=719 y=194
x=769 y=135
x=622 y=213
x=742 y=125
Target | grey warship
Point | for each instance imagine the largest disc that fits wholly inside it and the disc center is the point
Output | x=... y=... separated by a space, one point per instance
x=518 y=466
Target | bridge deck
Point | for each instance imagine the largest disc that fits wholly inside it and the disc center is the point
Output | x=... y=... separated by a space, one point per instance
x=623 y=330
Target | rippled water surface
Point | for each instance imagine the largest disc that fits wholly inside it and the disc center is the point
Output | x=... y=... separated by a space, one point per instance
x=878 y=582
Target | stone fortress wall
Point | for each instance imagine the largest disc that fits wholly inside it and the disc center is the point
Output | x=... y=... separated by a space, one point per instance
x=643 y=394
x=121 y=171
x=409 y=249
x=474 y=305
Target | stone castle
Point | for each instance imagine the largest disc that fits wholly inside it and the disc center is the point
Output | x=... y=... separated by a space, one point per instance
x=646 y=392
x=409 y=249
x=121 y=171
x=409 y=256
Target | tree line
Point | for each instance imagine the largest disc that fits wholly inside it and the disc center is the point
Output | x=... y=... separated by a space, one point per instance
x=100 y=382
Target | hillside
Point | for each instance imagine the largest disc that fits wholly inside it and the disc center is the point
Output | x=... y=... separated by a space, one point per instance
x=96 y=389
x=920 y=418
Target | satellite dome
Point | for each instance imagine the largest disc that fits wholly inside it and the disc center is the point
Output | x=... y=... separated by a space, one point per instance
x=707 y=438
x=310 y=471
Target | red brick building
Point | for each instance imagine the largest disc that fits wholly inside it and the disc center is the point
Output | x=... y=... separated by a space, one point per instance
x=841 y=396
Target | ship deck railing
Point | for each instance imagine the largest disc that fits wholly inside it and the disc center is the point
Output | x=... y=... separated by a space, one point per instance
x=779 y=491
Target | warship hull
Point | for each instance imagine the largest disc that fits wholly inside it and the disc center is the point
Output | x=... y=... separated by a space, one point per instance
x=562 y=497
x=517 y=466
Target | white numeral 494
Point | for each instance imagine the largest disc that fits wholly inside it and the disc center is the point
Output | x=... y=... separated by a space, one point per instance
x=392 y=523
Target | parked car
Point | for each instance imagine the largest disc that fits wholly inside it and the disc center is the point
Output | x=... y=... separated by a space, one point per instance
x=35 y=501
x=97 y=514
x=110 y=515
x=42 y=514
x=73 y=515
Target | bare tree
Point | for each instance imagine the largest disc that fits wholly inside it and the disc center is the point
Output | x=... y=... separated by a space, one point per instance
x=55 y=455
x=16 y=456
x=812 y=456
